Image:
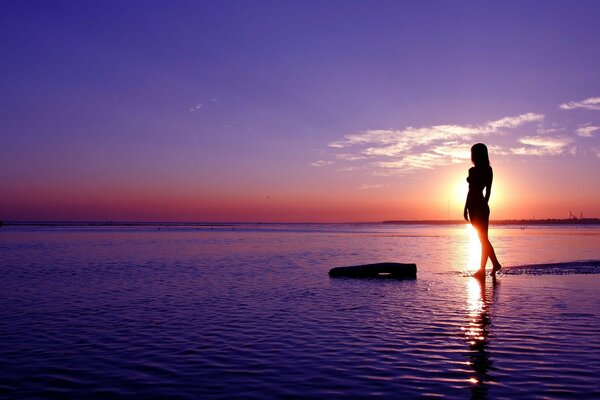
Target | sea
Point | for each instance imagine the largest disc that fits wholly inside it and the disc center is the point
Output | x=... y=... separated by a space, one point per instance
x=248 y=311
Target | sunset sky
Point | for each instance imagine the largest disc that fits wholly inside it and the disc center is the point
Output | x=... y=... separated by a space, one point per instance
x=296 y=111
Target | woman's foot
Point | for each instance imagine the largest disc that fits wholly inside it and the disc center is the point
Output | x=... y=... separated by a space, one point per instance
x=479 y=274
x=496 y=268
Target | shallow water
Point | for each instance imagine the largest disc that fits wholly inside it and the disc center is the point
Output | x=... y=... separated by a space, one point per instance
x=249 y=312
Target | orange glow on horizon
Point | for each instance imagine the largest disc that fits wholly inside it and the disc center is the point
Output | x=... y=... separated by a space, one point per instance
x=429 y=195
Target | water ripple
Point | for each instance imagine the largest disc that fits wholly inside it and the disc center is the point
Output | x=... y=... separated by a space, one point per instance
x=216 y=315
x=557 y=268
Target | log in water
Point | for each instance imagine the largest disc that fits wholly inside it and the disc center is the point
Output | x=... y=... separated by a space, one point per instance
x=378 y=270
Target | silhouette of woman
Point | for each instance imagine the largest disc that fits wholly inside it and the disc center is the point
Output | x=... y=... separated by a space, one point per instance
x=476 y=206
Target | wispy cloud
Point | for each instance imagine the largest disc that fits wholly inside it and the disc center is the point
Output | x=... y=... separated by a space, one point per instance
x=321 y=163
x=424 y=147
x=414 y=161
x=206 y=104
x=349 y=157
x=512 y=122
x=346 y=169
x=541 y=146
x=586 y=130
x=397 y=142
x=497 y=150
x=542 y=130
x=368 y=186
x=455 y=150
x=593 y=103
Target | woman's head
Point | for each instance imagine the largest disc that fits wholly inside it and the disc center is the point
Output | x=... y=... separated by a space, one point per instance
x=479 y=155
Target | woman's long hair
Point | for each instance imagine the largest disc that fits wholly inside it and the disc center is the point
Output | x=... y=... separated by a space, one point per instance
x=479 y=155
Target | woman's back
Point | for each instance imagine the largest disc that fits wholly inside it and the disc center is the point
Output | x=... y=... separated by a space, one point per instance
x=479 y=178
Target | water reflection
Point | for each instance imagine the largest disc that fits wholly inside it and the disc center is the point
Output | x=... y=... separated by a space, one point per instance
x=477 y=332
x=474 y=254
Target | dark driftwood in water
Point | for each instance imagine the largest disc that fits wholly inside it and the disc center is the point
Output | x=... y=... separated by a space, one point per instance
x=388 y=270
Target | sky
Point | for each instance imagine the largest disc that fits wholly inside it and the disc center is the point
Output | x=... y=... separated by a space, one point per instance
x=296 y=111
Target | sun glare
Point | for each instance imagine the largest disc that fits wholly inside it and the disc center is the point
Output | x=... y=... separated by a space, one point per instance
x=459 y=189
x=497 y=196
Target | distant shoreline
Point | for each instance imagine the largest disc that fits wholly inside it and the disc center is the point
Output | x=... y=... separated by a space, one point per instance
x=552 y=221
x=113 y=223
x=521 y=222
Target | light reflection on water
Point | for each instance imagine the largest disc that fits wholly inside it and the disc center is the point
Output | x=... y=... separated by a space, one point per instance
x=474 y=249
x=481 y=296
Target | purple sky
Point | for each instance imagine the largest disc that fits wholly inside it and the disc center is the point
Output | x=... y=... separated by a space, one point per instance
x=304 y=110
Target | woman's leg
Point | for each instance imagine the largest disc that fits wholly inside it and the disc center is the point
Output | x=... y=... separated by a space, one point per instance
x=485 y=245
x=494 y=259
x=487 y=250
x=479 y=225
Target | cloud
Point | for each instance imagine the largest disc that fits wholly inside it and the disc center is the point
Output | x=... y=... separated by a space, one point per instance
x=456 y=151
x=349 y=157
x=346 y=169
x=321 y=163
x=512 y=122
x=387 y=152
x=497 y=150
x=541 y=146
x=396 y=142
x=414 y=161
x=542 y=130
x=586 y=131
x=367 y=186
x=593 y=103
x=424 y=147
x=573 y=150
x=207 y=104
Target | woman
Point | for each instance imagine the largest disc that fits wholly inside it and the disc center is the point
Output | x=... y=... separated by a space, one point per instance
x=476 y=206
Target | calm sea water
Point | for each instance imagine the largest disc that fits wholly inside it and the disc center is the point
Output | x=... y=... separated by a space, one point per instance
x=250 y=312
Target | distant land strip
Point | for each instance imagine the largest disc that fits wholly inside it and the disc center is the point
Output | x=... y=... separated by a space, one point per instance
x=112 y=223
x=521 y=222
x=551 y=221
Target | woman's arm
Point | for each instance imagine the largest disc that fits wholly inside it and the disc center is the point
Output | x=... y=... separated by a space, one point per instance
x=466 y=211
x=488 y=188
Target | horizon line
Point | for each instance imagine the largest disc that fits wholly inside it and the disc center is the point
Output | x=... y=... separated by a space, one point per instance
x=512 y=221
